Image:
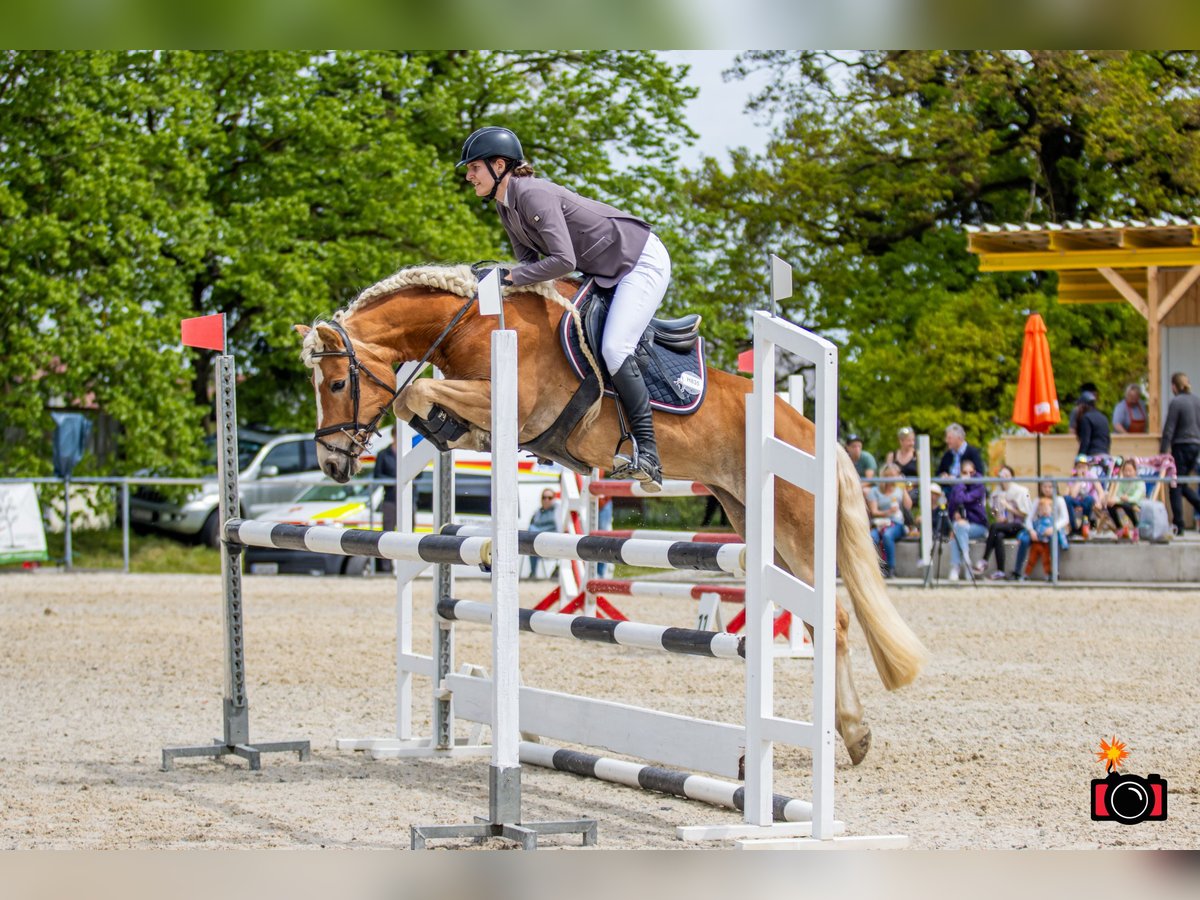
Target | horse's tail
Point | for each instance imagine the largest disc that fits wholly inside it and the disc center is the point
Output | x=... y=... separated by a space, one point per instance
x=897 y=651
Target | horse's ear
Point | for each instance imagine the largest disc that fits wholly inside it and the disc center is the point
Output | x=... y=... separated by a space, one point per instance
x=329 y=338
x=302 y=330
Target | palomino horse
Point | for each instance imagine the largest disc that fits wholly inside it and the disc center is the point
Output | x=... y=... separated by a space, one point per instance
x=400 y=320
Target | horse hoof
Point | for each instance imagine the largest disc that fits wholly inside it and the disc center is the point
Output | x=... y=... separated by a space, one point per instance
x=858 y=749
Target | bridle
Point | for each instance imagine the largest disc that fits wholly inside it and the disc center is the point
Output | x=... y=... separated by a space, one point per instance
x=359 y=433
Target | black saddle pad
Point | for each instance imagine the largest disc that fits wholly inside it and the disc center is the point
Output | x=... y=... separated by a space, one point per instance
x=676 y=381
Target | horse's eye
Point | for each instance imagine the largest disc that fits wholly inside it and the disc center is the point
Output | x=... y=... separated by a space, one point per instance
x=338 y=385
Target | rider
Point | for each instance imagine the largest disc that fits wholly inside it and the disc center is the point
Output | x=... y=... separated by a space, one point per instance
x=554 y=232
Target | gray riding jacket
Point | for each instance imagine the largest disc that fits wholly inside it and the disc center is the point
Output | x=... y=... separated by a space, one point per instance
x=555 y=232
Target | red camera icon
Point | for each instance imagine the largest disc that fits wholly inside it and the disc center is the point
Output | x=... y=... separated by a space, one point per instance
x=1129 y=799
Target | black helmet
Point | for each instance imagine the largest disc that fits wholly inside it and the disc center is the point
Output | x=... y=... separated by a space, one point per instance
x=490 y=142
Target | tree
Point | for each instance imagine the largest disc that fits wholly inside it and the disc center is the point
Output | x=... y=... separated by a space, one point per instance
x=881 y=158
x=144 y=187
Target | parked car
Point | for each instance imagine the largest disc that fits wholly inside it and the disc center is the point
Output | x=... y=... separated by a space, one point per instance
x=359 y=502
x=273 y=469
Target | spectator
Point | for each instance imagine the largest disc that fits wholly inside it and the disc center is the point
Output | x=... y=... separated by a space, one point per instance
x=885 y=503
x=1061 y=523
x=1083 y=495
x=713 y=510
x=1042 y=529
x=604 y=522
x=385 y=472
x=863 y=460
x=1128 y=497
x=1181 y=437
x=1011 y=506
x=905 y=456
x=1073 y=418
x=957 y=451
x=968 y=517
x=544 y=518
x=1092 y=427
x=1129 y=415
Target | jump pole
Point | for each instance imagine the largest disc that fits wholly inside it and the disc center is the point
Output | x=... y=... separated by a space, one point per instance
x=235 y=707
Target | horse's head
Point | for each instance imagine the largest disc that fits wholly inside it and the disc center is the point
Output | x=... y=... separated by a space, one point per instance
x=351 y=397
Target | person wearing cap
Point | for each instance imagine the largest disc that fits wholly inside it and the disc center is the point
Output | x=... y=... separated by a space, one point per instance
x=1083 y=495
x=864 y=461
x=1129 y=415
x=1091 y=426
x=555 y=232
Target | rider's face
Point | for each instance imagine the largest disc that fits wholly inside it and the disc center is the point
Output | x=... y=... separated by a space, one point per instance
x=479 y=177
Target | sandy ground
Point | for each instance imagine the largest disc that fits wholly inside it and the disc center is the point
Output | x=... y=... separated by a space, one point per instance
x=991 y=748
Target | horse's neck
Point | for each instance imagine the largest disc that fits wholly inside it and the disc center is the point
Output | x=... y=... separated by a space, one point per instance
x=402 y=328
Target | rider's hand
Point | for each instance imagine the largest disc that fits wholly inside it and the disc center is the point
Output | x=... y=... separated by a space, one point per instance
x=504 y=273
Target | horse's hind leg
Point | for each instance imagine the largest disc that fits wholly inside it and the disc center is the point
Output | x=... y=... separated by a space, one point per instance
x=848 y=710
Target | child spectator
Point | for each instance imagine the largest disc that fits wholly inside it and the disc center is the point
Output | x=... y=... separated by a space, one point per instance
x=1043 y=533
x=968 y=517
x=1026 y=537
x=886 y=503
x=1128 y=497
x=1011 y=506
x=1083 y=495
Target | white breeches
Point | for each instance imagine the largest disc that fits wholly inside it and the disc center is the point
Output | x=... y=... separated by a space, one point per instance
x=634 y=303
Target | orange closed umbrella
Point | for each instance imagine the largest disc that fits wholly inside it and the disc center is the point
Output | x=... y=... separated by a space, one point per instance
x=1036 y=403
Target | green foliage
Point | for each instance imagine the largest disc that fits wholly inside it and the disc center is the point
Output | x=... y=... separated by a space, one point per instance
x=878 y=161
x=142 y=188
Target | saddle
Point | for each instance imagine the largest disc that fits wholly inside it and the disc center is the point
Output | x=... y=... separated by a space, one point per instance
x=670 y=354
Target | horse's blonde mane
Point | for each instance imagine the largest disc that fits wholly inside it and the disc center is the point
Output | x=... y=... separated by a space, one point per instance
x=458 y=280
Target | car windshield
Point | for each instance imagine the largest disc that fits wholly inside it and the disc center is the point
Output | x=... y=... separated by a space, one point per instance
x=336 y=493
x=247 y=449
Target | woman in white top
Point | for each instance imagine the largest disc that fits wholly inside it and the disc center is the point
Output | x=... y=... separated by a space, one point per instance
x=1062 y=523
x=886 y=504
x=1011 y=504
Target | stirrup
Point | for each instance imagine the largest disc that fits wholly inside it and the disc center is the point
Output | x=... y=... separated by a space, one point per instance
x=630 y=466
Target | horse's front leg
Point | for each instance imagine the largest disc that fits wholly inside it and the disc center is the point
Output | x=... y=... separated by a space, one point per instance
x=468 y=404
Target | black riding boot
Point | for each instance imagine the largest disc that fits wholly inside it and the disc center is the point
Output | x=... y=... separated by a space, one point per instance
x=641 y=463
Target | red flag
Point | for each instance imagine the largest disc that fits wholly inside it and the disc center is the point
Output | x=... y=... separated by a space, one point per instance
x=205 y=332
x=746 y=360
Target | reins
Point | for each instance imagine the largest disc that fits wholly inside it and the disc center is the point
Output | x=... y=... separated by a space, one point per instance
x=362 y=433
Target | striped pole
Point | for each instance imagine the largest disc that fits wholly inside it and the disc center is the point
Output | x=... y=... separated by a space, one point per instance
x=651 y=534
x=469 y=550
x=603 y=487
x=665 y=589
x=729 y=558
x=654 y=778
x=718 y=644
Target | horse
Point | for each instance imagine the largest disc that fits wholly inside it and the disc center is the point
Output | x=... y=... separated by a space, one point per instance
x=426 y=313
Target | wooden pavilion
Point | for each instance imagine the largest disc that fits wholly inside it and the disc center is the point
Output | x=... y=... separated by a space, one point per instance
x=1152 y=265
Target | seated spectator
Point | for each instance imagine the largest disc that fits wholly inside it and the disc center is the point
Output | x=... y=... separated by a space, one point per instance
x=885 y=503
x=1095 y=439
x=1084 y=495
x=1011 y=506
x=1129 y=415
x=544 y=518
x=863 y=460
x=968 y=517
x=1127 y=498
x=1061 y=521
x=957 y=451
x=1042 y=529
x=905 y=456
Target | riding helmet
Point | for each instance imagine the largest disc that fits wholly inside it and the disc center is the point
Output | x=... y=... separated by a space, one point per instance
x=489 y=142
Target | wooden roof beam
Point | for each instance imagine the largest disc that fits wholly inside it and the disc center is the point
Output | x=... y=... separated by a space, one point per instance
x=1177 y=292
x=1136 y=300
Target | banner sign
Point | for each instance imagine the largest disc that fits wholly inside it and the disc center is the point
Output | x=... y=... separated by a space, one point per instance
x=22 y=536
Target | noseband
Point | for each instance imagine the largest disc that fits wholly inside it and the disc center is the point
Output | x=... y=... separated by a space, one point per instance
x=357 y=432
